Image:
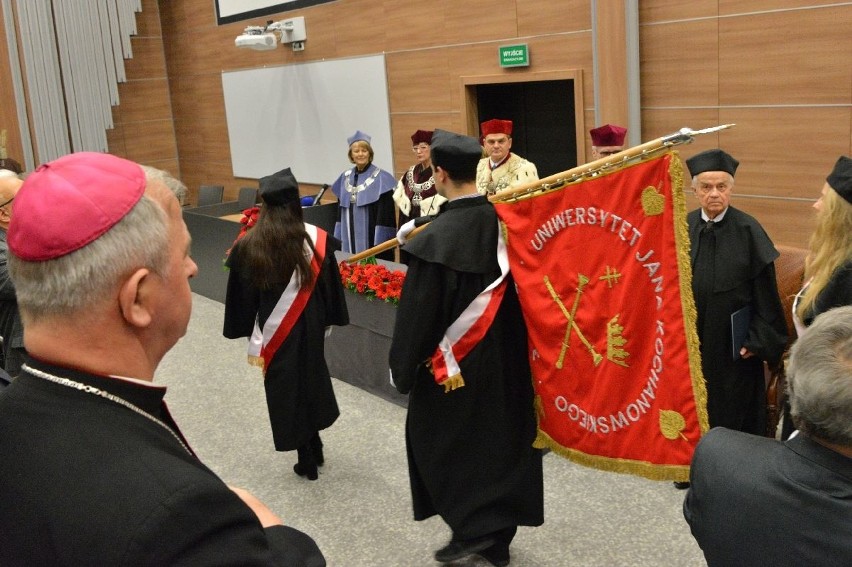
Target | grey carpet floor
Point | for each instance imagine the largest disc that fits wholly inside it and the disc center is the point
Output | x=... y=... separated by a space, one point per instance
x=359 y=511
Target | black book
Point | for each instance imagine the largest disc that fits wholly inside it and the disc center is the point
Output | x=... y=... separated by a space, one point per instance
x=740 y=322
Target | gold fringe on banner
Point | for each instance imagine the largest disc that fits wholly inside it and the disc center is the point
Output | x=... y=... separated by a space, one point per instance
x=690 y=313
x=647 y=470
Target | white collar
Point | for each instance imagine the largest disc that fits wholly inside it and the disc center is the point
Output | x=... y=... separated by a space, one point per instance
x=718 y=218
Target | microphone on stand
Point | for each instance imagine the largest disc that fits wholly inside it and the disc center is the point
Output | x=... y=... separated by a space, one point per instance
x=320 y=194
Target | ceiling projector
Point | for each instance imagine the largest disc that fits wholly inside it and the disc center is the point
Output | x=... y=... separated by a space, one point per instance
x=257 y=38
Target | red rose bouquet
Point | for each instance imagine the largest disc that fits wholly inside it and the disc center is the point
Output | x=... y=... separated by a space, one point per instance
x=249 y=220
x=372 y=279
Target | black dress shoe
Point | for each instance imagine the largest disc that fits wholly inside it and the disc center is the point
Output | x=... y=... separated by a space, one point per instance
x=460 y=549
x=681 y=485
x=497 y=554
x=306 y=470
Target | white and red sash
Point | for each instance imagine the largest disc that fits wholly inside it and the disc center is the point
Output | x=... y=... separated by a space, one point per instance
x=466 y=331
x=264 y=344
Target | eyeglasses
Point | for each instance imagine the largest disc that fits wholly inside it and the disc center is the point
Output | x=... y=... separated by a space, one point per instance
x=7 y=202
x=420 y=148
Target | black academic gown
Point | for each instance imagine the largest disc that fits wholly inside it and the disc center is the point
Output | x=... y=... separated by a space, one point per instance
x=735 y=269
x=470 y=453
x=299 y=394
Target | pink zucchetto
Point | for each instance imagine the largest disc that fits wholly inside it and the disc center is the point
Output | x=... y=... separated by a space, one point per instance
x=67 y=203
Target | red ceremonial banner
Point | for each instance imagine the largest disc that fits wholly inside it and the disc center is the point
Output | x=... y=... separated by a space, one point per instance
x=603 y=274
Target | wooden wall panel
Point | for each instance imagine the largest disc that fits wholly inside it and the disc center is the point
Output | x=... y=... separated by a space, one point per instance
x=789 y=223
x=790 y=96
x=539 y=17
x=8 y=113
x=419 y=81
x=148 y=58
x=148 y=20
x=469 y=22
x=817 y=71
x=679 y=64
x=145 y=99
x=150 y=142
x=785 y=152
x=669 y=10
x=728 y=7
x=115 y=140
x=612 y=63
x=358 y=27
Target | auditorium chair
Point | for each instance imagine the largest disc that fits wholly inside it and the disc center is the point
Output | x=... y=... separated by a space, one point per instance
x=247 y=197
x=789 y=269
x=210 y=194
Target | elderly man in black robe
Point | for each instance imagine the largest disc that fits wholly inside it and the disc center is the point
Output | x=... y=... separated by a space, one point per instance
x=740 y=317
x=471 y=422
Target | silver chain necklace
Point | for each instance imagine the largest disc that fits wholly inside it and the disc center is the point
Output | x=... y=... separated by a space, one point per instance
x=418 y=188
x=98 y=392
x=355 y=189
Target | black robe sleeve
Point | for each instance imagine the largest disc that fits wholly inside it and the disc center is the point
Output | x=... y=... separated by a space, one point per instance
x=242 y=300
x=331 y=286
x=419 y=324
x=767 y=334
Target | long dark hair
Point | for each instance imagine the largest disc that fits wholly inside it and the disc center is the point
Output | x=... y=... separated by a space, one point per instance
x=274 y=247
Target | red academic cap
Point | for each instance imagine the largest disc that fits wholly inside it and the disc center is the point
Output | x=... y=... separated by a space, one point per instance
x=69 y=202
x=496 y=126
x=608 y=135
x=422 y=137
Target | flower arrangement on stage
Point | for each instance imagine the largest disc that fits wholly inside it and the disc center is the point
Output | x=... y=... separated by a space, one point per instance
x=371 y=279
x=249 y=220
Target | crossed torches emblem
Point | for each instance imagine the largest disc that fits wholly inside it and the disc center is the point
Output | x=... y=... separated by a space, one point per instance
x=614 y=338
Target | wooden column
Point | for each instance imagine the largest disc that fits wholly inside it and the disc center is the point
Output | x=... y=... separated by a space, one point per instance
x=611 y=70
x=8 y=110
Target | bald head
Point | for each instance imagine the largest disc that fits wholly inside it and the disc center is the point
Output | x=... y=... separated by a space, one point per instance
x=9 y=186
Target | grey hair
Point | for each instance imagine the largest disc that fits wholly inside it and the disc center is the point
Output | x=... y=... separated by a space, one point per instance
x=81 y=279
x=820 y=378
x=175 y=185
x=695 y=180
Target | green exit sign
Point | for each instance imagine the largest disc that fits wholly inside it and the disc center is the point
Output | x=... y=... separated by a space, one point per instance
x=514 y=55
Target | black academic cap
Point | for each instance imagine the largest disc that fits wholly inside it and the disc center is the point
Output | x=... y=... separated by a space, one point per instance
x=279 y=188
x=840 y=179
x=456 y=154
x=712 y=160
